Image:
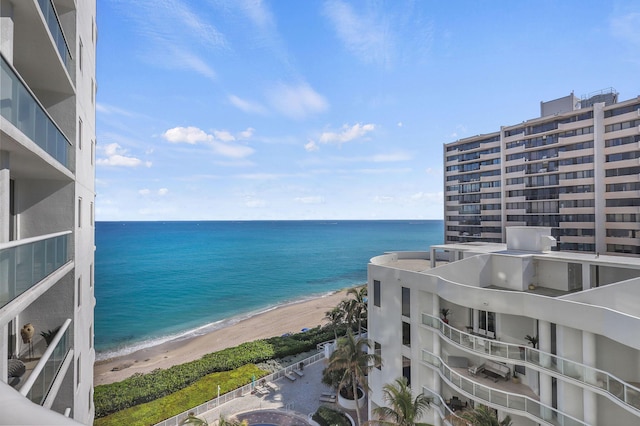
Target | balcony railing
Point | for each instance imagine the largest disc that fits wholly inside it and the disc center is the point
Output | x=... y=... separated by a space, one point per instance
x=515 y=403
x=602 y=381
x=24 y=263
x=37 y=386
x=53 y=23
x=20 y=107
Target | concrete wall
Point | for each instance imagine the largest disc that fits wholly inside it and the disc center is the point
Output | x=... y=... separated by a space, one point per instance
x=553 y=275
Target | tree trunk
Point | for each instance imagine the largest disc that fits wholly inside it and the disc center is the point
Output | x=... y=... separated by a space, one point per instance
x=354 y=384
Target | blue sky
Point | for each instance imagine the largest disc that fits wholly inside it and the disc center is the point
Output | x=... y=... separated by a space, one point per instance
x=262 y=110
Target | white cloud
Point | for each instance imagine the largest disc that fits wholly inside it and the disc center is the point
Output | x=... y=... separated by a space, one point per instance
x=219 y=140
x=191 y=135
x=190 y=61
x=111 y=110
x=428 y=196
x=311 y=146
x=144 y=191
x=347 y=134
x=310 y=200
x=163 y=191
x=400 y=124
x=116 y=157
x=383 y=199
x=223 y=136
x=247 y=106
x=366 y=36
x=296 y=102
x=232 y=151
x=246 y=134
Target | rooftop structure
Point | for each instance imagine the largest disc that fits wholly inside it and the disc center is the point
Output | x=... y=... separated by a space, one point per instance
x=574 y=169
x=47 y=173
x=543 y=336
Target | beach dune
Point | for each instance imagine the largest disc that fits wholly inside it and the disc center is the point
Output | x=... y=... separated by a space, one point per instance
x=285 y=319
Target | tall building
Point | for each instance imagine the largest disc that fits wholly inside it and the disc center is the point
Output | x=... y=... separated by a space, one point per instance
x=47 y=174
x=546 y=337
x=575 y=169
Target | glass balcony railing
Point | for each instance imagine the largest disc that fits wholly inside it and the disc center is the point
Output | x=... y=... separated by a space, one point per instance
x=523 y=404
x=53 y=23
x=603 y=381
x=20 y=108
x=25 y=263
x=37 y=386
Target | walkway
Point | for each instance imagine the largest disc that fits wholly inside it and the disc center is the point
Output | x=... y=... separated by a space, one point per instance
x=302 y=396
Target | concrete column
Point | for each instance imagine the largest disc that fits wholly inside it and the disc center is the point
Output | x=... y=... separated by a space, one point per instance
x=586 y=276
x=436 y=343
x=544 y=344
x=5 y=214
x=432 y=257
x=6 y=29
x=588 y=397
x=599 y=159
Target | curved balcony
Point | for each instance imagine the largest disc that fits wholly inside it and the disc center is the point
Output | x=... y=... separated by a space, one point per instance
x=625 y=394
x=24 y=263
x=41 y=379
x=517 y=404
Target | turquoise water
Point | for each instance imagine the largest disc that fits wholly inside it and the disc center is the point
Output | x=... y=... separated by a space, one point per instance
x=160 y=280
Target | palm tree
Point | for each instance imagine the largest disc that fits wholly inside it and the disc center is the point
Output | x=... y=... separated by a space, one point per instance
x=359 y=304
x=354 y=364
x=483 y=416
x=335 y=317
x=404 y=410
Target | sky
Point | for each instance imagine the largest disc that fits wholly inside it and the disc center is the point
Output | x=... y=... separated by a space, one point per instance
x=314 y=110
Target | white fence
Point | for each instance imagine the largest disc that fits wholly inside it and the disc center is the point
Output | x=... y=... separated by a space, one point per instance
x=236 y=393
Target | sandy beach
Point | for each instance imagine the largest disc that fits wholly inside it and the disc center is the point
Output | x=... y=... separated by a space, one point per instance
x=288 y=318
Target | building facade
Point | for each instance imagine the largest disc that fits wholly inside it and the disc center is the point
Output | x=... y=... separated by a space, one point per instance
x=575 y=168
x=47 y=175
x=546 y=337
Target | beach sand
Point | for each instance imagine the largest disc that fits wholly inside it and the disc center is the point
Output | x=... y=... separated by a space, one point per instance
x=285 y=319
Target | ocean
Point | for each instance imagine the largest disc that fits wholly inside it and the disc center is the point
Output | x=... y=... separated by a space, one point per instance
x=157 y=281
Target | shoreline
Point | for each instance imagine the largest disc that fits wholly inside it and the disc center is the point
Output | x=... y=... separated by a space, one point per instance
x=291 y=317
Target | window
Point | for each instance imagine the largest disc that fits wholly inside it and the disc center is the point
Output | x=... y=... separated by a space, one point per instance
x=487 y=323
x=377 y=349
x=406 y=302
x=79 y=212
x=79 y=301
x=78 y=370
x=80 y=54
x=91 y=275
x=376 y=293
x=406 y=334
x=91 y=213
x=93 y=152
x=91 y=336
x=406 y=369
x=93 y=91
x=79 y=133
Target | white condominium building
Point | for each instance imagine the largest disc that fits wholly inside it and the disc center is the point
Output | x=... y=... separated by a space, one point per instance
x=575 y=168
x=546 y=337
x=47 y=174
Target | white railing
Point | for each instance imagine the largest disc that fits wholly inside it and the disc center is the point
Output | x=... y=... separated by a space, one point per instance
x=236 y=393
x=599 y=380
x=515 y=403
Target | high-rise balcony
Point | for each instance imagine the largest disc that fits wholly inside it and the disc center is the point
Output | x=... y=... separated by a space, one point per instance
x=26 y=262
x=520 y=404
x=39 y=378
x=20 y=107
x=53 y=23
x=600 y=381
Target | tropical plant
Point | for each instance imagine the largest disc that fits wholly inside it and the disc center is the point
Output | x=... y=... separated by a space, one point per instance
x=359 y=304
x=49 y=335
x=403 y=410
x=350 y=358
x=335 y=318
x=445 y=313
x=533 y=340
x=483 y=416
x=326 y=416
x=223 y=421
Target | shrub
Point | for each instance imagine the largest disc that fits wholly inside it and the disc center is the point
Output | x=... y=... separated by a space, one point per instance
x=326 y=416
x=193 y=395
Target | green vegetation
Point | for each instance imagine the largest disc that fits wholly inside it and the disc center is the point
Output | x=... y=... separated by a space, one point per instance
x=326 y=416
x=198 y=393
x=143 y=388
x=403 y=410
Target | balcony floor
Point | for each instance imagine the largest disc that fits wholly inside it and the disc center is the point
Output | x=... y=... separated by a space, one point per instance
x=500 y=385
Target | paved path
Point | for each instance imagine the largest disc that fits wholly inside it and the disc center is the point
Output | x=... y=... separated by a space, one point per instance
x=301 y=396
